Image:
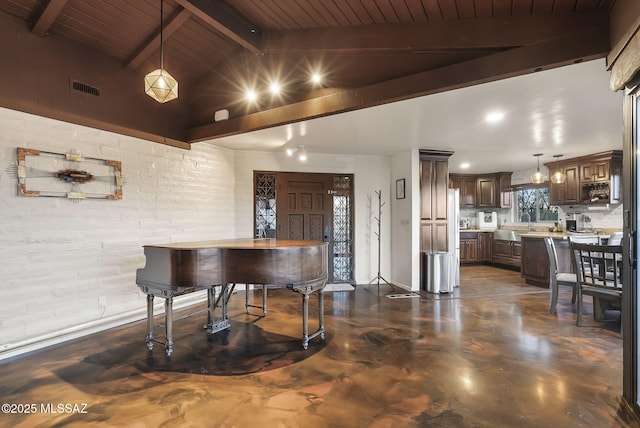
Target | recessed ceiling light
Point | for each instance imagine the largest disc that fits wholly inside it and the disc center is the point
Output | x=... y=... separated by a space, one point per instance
x=251 y=95
x=275 y=87
x=494 y=117
x=465 y=165
x=316 y=78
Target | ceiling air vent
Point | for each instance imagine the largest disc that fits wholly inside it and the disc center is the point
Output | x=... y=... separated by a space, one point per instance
x=85 y=88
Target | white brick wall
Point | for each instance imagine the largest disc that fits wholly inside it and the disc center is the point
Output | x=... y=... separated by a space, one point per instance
x=57 y=258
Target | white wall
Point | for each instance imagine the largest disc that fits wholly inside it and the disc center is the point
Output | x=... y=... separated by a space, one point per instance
x=371 y=173
x=405 y=227
x=58 y=258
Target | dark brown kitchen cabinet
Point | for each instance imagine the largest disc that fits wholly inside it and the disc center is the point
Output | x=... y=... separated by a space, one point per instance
x=569 y=191
x=485 y=246
x=572 y=184
x=486 y=192
x=467 y=186
x=590 y=179
x=506 y=252
x=468 y=247
x=535 y=262
x=475 y=246
x=594 y=171
x=483 y=190
x=434 y=182
x=504 y=187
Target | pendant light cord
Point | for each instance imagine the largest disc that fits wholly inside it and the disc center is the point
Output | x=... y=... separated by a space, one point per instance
x=161 y=38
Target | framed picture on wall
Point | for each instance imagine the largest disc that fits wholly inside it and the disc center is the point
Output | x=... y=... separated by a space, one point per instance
x=400 y=188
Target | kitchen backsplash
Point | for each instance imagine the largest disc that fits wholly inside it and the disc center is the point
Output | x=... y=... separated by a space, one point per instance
x=602 y=217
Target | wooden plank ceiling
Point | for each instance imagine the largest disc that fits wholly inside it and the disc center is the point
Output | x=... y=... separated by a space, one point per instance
x=370 y=51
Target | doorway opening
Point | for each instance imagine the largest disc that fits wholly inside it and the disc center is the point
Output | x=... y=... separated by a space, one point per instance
x=309 y=206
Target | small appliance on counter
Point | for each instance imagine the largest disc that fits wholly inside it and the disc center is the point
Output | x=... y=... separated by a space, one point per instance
x=487 y=220
x=465 y=224
x=571 y=222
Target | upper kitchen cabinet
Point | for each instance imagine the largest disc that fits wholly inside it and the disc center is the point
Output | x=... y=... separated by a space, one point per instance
x=486 y=192
x=504 y=184
x=592 y=179
x=467 y=186
x=483 y=190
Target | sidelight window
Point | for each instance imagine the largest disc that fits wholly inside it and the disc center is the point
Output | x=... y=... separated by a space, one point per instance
x=342 y=231
x=265 y=205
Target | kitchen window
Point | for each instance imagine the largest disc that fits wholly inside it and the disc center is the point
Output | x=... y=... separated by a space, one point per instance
x=533 y=205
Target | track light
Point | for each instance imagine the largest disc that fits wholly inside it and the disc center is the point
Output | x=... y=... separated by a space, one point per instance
x=300 y=151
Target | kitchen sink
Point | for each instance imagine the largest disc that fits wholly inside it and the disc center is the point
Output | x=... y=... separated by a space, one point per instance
x=508 y=235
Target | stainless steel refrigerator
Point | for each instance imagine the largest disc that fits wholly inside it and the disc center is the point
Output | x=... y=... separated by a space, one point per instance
x=453 y=239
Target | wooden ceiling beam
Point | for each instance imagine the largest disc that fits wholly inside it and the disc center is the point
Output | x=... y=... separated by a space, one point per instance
x=464 y=34
x=514 y=62
x=47 y=17
x=152 y=44
x=226 y=20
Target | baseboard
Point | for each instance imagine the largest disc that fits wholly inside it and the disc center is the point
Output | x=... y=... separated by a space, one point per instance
x=11 y=350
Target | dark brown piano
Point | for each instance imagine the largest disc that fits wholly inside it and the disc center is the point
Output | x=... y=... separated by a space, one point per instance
x=175 y=269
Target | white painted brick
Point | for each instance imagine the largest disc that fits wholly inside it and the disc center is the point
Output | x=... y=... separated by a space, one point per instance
x=58 y=258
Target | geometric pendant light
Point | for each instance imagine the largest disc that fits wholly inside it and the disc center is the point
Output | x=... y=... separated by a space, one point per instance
x=159 y=84
x=538 y=177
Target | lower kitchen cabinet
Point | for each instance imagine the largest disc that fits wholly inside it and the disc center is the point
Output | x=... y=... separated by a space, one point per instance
x=468 y=247
x=485 y=246
x=507 y=252
x=475 y=247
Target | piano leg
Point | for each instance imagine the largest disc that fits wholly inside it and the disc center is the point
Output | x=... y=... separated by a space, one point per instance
x=264 y=299
x=321 y=312
x=215 y=325
x=305 y=317
x=211 y=306
x=168 y=325
x=305 y=320
x=150 y=321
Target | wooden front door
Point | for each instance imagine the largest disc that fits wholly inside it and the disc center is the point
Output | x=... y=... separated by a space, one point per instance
x=311 y=206
x=305 y=206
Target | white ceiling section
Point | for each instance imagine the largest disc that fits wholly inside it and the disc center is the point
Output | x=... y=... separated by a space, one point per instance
x=569 y=111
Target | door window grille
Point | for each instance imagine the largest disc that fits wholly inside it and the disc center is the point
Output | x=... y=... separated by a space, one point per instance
x=265 y=205
x=342 y=230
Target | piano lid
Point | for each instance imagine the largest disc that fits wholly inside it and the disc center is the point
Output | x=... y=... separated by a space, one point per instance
x=248 y=243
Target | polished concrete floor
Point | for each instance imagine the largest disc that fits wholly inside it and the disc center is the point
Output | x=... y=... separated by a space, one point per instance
x=490 y=355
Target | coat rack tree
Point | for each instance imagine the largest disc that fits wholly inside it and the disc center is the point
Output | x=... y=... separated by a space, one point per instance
x=379 y=276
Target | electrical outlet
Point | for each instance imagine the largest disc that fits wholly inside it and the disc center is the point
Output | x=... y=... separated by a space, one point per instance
x=102 y=301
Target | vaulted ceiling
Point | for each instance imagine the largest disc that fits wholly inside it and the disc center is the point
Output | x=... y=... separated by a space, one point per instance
x=371 y=52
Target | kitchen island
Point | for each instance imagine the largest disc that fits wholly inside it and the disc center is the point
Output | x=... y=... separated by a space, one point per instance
x=535 y=261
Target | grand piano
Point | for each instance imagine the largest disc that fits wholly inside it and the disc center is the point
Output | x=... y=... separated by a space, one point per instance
x=175 y=269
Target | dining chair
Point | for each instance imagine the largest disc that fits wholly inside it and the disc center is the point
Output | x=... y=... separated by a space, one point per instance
x=558 y=278
x=578 y=239
x=599 y=276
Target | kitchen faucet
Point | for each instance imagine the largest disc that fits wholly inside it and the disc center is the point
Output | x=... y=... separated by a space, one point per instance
x=528 y=220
